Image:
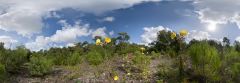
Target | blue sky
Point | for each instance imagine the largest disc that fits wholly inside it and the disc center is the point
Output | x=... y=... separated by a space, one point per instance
x=44 y=24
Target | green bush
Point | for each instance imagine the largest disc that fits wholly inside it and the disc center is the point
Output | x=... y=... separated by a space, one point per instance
x=141 y=64
x=231 y=66
x=235 y=71
x=39 y=66
x=13 y=60
x=167 y=69
x=141 y=59
x=155 y=55
x=74 y=58
x=3 y=73
x=124 y=48
x=94 y=58
x=205 y=61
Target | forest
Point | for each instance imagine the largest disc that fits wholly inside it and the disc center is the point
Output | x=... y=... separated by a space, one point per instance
x=169 y=59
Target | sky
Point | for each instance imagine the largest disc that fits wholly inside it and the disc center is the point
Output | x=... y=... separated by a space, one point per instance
x=43 y=24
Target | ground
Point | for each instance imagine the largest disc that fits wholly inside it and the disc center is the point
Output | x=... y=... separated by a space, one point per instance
x=89 y=73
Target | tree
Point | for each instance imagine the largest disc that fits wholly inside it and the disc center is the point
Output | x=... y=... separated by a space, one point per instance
x=123 y=37
x=226 y=42
x=237 y=46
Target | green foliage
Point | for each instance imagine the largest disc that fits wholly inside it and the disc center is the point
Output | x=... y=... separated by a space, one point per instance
x=155 y=55
x=141 y=60
x=39 y=65
x=74 y=58
x=123 y=37
x=205 y=60
x=94 y=58
x=231 y=66
x=13 y=60
x=237 y=46
x=141 y=63
x=3 y=73
x=124 y=48
x=167 y=69
x=66 y=56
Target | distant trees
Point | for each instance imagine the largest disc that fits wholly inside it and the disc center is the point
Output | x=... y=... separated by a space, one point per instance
x=226 y=42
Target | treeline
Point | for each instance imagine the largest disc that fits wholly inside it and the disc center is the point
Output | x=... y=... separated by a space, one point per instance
x=205 y=61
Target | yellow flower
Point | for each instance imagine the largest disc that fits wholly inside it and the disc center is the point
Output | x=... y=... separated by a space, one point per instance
x=183 y=32
x=142 y=48
x=115 y=78
x=107 y=40
x=173 y=35
x=98 y=42
x=128 y=74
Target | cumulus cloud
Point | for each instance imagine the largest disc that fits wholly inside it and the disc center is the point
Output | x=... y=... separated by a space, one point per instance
x=8 y=41
x=198 y=35
x=25 y=16
x=99 y=32
x=150 y=34
x=212 y=11
x=68 y=34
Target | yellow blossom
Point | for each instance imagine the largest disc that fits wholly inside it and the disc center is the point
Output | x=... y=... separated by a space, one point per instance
x=107 y=40
x=142 y=48
x=129 y=74
x=98 y=42
x=115 y=78
x=173 y=35
x=183 y=32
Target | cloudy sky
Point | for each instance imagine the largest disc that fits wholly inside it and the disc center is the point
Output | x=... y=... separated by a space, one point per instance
x=40 y=24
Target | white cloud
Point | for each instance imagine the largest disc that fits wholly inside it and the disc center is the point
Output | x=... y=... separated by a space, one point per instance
x=219 y=11
x=70 y=45
x=150 y=34
x=99 y=32
x=198 y=35
x=25 y=16
x=109 y=19
x=8 y=41
x=238 y=38
x=69 y=34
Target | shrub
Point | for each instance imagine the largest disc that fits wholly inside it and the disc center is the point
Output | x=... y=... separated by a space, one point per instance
x=94 y=58
x=141 y=62
x=167 y=69
x=124 y=48
x=155 y=55
x=13 y=60
x=205 y=61
x=3 y=73
x=231 y=66
x=235 y=71
x=39 y=66
x=74 y=58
